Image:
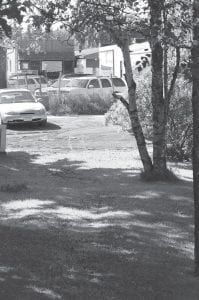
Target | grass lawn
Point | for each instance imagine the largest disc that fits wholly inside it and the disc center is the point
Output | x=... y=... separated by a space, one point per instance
x=81 y=225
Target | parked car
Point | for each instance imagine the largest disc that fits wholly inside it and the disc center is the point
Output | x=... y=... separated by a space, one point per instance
x=90 y=86
x=29 y=81
x=19 y=106
x=35 y=83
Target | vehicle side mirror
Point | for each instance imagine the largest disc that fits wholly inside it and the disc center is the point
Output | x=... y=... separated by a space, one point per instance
x=91 y=86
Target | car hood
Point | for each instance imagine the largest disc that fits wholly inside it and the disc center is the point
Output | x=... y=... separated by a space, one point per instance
x=24 y=107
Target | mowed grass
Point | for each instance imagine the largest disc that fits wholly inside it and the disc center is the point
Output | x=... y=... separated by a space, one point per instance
x=85 y=233
x=76 y=221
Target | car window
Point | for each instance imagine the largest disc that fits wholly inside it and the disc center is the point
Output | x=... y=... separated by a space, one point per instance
x=95 y=83
x=105 y=83
x=20 y=81
x=74 y=82
x=16 y=97
x=30 y=81
x=118 y=82
x=12 y=82
x=62 y=83
x=17 y=81
x=41 y=80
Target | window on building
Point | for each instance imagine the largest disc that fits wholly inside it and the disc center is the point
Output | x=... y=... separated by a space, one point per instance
x=105 y=83
x=24 y=65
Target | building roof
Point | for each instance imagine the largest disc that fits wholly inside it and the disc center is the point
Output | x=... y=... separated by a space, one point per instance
x=50 y=50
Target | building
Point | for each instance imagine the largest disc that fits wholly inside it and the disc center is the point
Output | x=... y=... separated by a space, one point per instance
x=54 y=57
x=108 y=60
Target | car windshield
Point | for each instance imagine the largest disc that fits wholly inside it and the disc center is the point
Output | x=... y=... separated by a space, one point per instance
x=16 y=97
x=20 y=81
x=41 y=80
x=74 y=82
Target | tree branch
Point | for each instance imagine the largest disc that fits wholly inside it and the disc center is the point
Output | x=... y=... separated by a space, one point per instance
x=118 y=96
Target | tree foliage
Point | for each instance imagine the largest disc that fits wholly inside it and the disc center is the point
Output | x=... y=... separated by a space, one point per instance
x=164 y=23
x=11 y=10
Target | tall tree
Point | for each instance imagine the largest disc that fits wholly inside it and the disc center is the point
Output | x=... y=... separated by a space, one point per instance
x=169 y=29
x=121 y=20
x=9 y=10
x=195 y=106
x=158 y=100
x=115 y=18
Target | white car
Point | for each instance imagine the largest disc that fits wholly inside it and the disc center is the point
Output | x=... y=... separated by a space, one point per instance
x=30 y=82
x=91 y=86
x=34 y=83
x=19 y=106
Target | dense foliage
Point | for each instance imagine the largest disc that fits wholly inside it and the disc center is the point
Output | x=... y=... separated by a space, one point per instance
x=77 y=104
x=179 y=127
x=11 y=10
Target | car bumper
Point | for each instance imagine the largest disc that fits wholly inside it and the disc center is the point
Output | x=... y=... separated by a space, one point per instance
x=17 y=119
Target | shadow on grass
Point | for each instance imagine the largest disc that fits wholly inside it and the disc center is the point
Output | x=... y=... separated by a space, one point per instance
x=33 y=127
x=76 y=233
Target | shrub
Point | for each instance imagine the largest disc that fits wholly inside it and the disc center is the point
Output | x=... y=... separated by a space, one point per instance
x=179 y=128
x=118 y=114
x=78 y=104
x=179 y=133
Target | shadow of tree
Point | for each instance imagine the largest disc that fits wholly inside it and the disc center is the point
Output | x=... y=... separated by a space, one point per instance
x=33 y=127
x=77 y=233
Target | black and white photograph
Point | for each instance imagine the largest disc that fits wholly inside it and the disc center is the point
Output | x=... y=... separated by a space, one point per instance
x=99 y=149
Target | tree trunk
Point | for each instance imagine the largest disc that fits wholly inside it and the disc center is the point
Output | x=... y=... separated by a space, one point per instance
x=158 y=101
x=195 y=107
x=132 y=110
x=3 y=68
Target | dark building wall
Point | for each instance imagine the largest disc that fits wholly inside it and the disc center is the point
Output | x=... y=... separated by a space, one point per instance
x=68 y=66
x=50 y=50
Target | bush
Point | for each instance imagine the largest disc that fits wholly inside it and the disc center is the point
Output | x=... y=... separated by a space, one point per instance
x=118 y=115
x=179 y=128
x=179 y=133
x=78 y=104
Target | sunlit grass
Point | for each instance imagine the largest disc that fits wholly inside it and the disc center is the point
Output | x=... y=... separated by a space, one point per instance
x=44 y=291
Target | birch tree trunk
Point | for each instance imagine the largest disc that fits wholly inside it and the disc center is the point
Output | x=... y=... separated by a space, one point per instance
x=158 y=101
x=132 y=109
x=195 y=107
